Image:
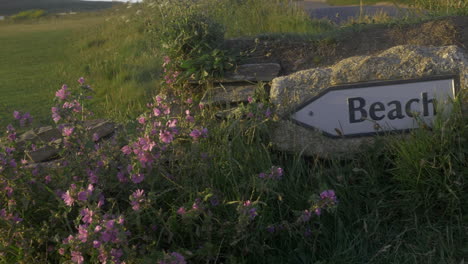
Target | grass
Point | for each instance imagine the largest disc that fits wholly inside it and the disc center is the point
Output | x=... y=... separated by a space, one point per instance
x=35 y=59
x=402 y=200
x=51 y=6
x=368 y=2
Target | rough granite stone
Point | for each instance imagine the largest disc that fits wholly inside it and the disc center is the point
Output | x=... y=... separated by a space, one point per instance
x=397 y=63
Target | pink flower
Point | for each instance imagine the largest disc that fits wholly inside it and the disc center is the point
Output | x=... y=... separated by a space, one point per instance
x=181 y=211
x=250 y=99
x=156 y=112
x=328 y=195
x=16 y=115
x=318 y=211
x=68 y=199
x=166 y=136
x=81 y=80
x=96 y=244
x=62 y=94
x=83 y=196
x=189 y=101
x=55 y=114
x=77 y=257
x=87 y=215
x=67 y=131
x=137 y=178
x=127 y=150
x=141 y=120
x=172 y=123
x=196 y=134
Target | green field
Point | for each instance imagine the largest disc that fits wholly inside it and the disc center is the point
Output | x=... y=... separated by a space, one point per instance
x=35 y=62
x=368 y=2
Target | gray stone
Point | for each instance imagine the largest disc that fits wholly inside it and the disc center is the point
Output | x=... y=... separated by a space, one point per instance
x=263 y=72
x=100 y=127
x=225 y=94
x=42 y=154
x=397 y=63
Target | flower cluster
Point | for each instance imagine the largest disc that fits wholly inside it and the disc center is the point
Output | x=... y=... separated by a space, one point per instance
x=138 y=199
x=23 y=118
x=70 y=102
x=275 y=173
x=170 y=76
x=256 y=110
x=106 y=235
x=326 y=201
x=248 y=210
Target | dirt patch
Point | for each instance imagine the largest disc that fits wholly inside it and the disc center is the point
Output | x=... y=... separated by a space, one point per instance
x=299 y=54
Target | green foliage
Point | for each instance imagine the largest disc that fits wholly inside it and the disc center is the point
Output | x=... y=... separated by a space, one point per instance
x=29 y=14
x=207 y=66
x=432 y=164
x=189 y=33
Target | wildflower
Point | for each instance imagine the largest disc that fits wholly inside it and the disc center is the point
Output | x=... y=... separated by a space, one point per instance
x=77 y=257
x=87 y=215
x=82 y=233
x=92 y=175
x=305 y=217
x=268 y=113
x=137 y=178
x=328 y=195
x=55 y=114
x=166 y=136
x=127 y=150
x=252 y=213
x=141 y=120
x=96 y=244
x=68 y=199
x=318 y=211
x=189 y=118
x=137 y=198
x=196 y=134
x=63 y=93
x=67 y=131
x=82 y=196
x=116 y=254
x=189 y=101
x=81 y=80
x=47 y=178
x=16 y=115
x=181 y=211
x=167 y=60
x=156 y=112
x=250 y=99
x=270 y=229
x=196 y=204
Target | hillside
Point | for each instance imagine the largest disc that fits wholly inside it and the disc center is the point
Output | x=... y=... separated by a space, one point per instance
x=9 y=7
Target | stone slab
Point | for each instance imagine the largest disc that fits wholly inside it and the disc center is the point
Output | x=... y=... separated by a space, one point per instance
x=229 y=93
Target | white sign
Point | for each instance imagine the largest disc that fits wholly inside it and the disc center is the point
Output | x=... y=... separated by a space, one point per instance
x=369 y=108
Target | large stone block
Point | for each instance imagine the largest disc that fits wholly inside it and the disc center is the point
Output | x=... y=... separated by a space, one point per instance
x=397 y=63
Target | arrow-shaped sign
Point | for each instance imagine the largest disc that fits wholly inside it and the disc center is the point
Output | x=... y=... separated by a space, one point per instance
x=375 y=107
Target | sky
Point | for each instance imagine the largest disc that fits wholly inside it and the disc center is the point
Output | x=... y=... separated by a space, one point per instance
x=133 y=1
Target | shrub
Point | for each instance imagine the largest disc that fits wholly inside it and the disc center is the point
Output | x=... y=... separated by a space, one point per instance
x=29 y=14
